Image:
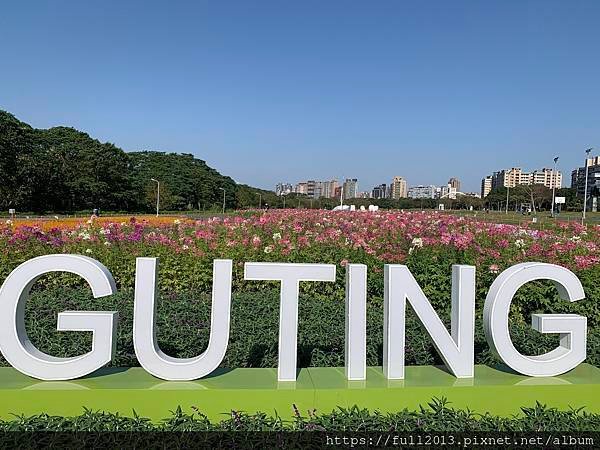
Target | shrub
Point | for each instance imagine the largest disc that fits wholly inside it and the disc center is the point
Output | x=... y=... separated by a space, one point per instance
x=436 y=416
x=184 y=323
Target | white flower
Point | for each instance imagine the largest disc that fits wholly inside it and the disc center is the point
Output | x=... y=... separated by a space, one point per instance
x=185 y=246
x=9 y=222
x=89 y=221
x=177 y=221
x=276 y=236
x=575 y=238
x=268 y=249
x=520 y=243
x=85 y=236
x=107 y=243
x=88 y=250
x=417 y=242
x=104 y=230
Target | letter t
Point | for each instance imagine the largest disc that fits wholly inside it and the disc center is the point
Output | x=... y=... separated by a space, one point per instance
x=290 y=276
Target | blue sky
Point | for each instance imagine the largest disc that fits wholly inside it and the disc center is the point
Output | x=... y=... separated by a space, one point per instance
x=291 y=90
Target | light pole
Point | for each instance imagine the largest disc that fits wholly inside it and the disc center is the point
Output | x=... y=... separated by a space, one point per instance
x=507 y=192
x=553 y=181
x=259 y=200
x=223 y=189
x=157 y=194
x=587 y=154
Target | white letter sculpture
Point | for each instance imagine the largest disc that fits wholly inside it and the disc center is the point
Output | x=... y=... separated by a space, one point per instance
x=290 y=276
x=356 y=322
x=14 y=342
x=457 y=348
x=572 y=328
x=146 y=347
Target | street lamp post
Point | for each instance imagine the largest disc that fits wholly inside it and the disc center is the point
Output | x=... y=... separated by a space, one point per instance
x=507 y=192
x=587 y=154
x=553 y=181
x=259 y=200
x=157 y=194
x=223 y=189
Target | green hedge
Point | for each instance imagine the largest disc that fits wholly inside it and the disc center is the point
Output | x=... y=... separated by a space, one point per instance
x=437 y=415
x=184 y=325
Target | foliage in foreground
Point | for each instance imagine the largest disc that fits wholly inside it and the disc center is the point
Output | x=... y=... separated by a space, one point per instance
x=437 y=415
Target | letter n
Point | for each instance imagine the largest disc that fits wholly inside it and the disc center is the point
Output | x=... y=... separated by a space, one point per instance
x=456 y=348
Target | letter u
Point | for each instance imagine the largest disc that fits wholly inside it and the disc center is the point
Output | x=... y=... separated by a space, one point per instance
x=149 y=355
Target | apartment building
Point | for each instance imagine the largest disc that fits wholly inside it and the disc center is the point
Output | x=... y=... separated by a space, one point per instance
x=399 y=188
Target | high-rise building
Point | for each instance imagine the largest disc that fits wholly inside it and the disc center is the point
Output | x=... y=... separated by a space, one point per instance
x=399 y=188
x=328 y=188
x=350 y=188
x=313 y=189
x=548 y=177
x=447 y=192
x=317 y=189
x=592 y=165
x=301 y=188
x=380 y=191
x=486 y=186
x=422 y=191
x=515 y=176
x=283 y=188
x=338 y=192
x=454 y=183
x=509 y=178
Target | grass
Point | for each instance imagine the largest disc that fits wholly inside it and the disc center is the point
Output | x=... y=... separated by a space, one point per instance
x=543 y=218
x=435 y=416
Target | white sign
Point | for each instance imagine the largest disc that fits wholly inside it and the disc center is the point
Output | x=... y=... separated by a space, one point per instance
x=456 y=347
x=559 y=200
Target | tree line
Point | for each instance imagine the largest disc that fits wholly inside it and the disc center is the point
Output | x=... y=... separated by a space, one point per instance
x=62 y=169
x=537 y=197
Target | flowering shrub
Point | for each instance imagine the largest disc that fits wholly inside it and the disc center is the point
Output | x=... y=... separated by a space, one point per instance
x=428 y=242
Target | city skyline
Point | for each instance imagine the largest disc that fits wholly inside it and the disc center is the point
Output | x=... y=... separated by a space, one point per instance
x=262 y=92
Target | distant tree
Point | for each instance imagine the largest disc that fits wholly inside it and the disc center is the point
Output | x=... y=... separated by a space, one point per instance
x=16 y=147
x=62 y=169
x=187 y=182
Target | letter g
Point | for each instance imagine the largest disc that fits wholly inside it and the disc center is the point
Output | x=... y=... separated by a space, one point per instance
x=14 y=342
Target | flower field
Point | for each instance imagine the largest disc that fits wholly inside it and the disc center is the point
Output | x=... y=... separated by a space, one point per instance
x=423 y=240
x=427 y=242
x=305 y=236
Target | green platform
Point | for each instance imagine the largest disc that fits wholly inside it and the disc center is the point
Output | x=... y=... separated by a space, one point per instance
x=121 y=390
